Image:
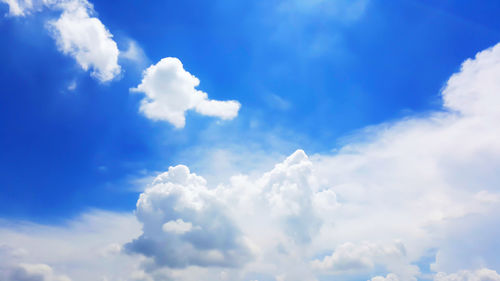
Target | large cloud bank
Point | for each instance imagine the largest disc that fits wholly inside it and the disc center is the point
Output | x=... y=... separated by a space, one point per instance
x=416 y=199
x=78 y=33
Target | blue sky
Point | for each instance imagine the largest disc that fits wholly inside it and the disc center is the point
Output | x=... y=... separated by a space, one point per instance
x=89 y=119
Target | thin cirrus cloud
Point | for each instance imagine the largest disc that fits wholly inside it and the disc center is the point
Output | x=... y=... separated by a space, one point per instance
x=171 y=91
x=78 y=33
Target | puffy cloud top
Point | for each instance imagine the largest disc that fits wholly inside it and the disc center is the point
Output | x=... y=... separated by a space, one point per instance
x=475 y=89
x=184 y=224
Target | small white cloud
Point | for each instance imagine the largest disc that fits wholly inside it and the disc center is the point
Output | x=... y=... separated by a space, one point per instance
x=18 y=7
x=85 y=38
x=72 y=85
x=134 y=53
x=77 y=33
x=171 y=91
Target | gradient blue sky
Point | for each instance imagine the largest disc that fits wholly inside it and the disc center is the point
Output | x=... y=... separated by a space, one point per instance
x=307 y=76
x=317 y=76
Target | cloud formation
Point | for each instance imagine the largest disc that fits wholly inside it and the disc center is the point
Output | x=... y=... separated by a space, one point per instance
x=171 y=91
x=78 y=33
x=382 y=202
x=184 y=224
x=373 y=209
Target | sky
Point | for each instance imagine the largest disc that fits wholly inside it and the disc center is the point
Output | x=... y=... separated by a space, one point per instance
x=278 y=140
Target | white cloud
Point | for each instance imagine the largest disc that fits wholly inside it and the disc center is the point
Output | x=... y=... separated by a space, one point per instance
x=389 y=277
x=135 y=54
x=78 y=33
x=168 y=209
x=84 y=37
x=171 y=91
x=18 y=7
x=483 y=274
x=350 y=257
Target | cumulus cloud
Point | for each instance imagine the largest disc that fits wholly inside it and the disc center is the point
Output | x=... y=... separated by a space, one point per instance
x=406 y=181
x=175 y=202
x=78 y=33
x=171 y=91
x=85 y=38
